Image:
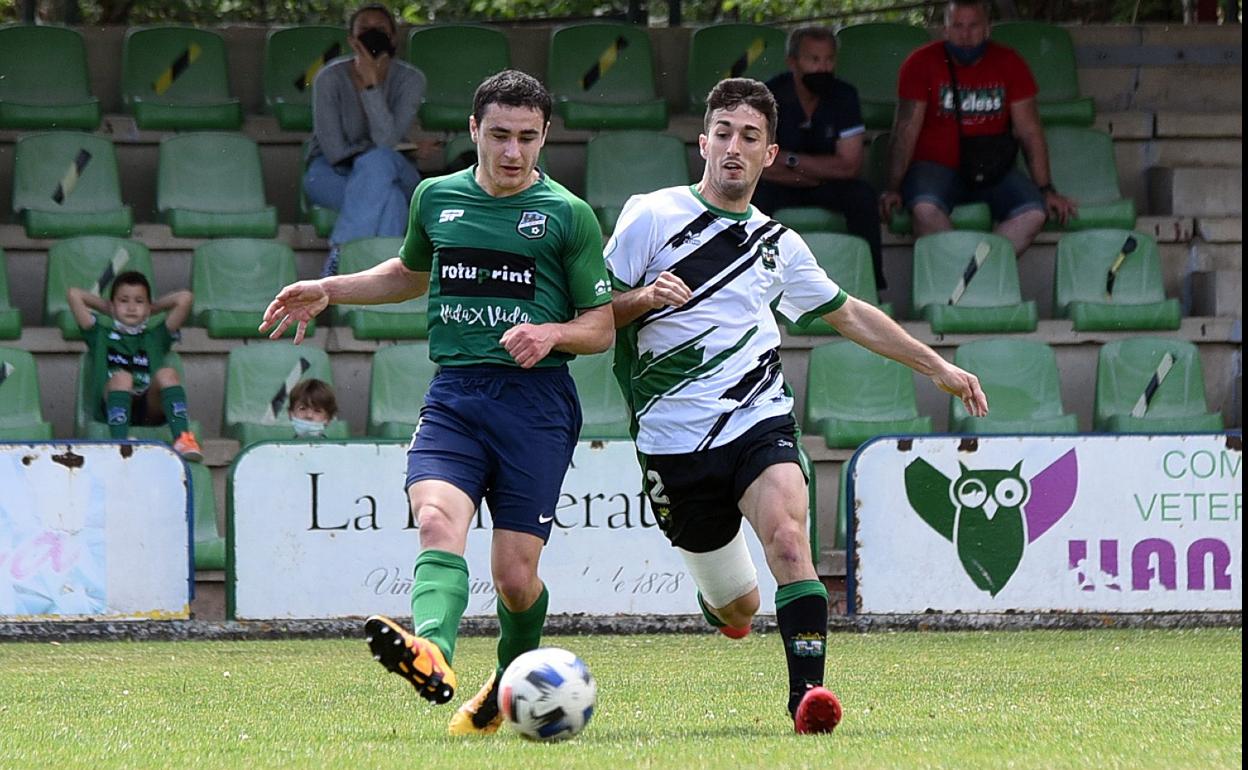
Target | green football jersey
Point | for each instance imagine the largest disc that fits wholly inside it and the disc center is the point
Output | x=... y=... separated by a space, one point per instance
x=534 y=257
x=111 y=350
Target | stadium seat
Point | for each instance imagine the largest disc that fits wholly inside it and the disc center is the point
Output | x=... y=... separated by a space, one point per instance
x=65 y=183
x=209 y=185
x=234 y=280
x=869 y=57
x=292 y=57
x=321 y=218
x=992 y=301
x=88 y=262
x=811 y=219
x=602 y=78
x=21 y=417
x=1083 y=167
x=1124 y=370
x=174 y=78
x=1137 y=300
x=31 y=99
x=732 y=50
x=258 y=379
x=400 y=378
x=620 y=164
x=209 y=544
x=606 y=414
x=1050 y=53
x=10 y=317
x=968 y=216
x=853 y=395
x=89 y=421
x=1022 y=384
x=393 y=321
x=451 y=77
x=847 y=260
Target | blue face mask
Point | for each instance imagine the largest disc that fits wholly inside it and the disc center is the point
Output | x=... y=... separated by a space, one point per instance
x=307 y=428
x=966 y=56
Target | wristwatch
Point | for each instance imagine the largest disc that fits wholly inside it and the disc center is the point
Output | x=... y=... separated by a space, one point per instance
x=790 y=160
x=1048 y=188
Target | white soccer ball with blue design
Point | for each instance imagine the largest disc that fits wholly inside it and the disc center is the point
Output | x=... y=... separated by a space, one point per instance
x=547 y=694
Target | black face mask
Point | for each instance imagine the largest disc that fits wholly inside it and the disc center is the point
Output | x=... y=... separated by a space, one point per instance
x=818 y=82
x=376 y=41
x=966 y=56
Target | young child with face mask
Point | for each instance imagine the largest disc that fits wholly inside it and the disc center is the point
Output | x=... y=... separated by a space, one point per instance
x=312 y=407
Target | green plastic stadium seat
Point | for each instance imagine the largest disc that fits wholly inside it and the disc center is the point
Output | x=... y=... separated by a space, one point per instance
x=1124 y=369
x=869 y=57
x=21 y=417
x=811 y=219
x=602 y=78
x=89 y=262
x=1021 y=381
x=174 y=78
x=451 y=77
x=209 y=544
x=606 y=414
x=732 y=50
x=992 y=301
x=257 y=395
x=968 y=216
x=31 y=99
x=847 y=260
x=234 y=280
x=1050 y=53
x=853 y=394
x=89 y=410
x=620 y=164
x=1083 y=167
x=209 y=185
x=393 y=321
x=292 y=57
x=10 y=317
x=400 y=379
x=1138 y=299
x=321 y=218
x=65 y=183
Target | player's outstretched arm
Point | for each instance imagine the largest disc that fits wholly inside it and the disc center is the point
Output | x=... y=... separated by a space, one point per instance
x=300 y=302
x=590 y=332
x=868 y=326
x=667 y=290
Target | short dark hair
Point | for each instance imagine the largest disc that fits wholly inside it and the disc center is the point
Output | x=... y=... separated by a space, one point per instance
x=811 y=32
x=315 y=393
x=730 y=93
x=379 y=8
x=130 y=278
x=984 y=5
x=511 y=88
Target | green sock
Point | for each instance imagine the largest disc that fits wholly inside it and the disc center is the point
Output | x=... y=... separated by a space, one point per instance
x=519 y=632
x=118 y=413
x=173 y=400
x=439 y=598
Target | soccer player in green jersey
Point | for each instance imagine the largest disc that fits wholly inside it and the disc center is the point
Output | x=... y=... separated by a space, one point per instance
x=517 y=287
x=696 y=270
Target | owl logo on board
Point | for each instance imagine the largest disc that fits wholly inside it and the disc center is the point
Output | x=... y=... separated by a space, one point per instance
x=532 y=224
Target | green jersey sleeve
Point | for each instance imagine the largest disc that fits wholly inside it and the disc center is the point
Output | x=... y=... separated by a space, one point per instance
x=417 y=249
x=588 y=284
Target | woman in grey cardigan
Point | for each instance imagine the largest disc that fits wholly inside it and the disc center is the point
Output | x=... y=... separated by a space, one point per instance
x=362 y=107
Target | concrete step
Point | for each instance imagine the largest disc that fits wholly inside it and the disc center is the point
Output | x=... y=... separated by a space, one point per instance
x=1218 y=292
x=1215 y=192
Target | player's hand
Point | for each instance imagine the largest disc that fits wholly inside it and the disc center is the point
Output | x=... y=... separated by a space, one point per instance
x=961 y=383
x=297 y=303
x=668 y=290
x=529 y=343
x=889 y=202
x=1059 y=207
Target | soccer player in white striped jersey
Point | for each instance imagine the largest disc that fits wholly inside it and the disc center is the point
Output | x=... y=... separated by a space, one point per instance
x=696 y=270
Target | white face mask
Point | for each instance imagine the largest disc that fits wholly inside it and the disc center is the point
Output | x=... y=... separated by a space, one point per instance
x=305 y=428
x=128 y=329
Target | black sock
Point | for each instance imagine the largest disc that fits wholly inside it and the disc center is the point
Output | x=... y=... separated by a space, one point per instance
x=802 y=614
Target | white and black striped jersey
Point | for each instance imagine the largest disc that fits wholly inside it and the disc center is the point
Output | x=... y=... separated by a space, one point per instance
x=700 y=375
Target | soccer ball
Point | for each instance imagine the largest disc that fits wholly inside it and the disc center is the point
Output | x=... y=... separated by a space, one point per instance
x=547 y=694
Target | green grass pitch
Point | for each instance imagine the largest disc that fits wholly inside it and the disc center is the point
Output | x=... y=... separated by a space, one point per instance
x=1045 y=699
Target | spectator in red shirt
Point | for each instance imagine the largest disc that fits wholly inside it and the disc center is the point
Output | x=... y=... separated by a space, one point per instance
x=996 y=99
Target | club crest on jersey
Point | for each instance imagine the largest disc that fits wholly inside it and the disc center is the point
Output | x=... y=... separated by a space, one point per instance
x=532 y=224
x=768 y=252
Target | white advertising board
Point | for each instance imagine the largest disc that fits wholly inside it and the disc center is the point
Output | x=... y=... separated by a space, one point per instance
x=323 y=530
x=93 y=531
x=1045 y=523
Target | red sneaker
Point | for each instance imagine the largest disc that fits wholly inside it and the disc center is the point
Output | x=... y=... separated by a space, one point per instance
x=818 y=712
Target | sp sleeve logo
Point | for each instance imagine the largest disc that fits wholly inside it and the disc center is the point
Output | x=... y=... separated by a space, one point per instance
x=532 y=224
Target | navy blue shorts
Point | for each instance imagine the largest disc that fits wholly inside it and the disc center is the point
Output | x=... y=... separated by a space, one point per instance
x=928 y=182
x=501 y=434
